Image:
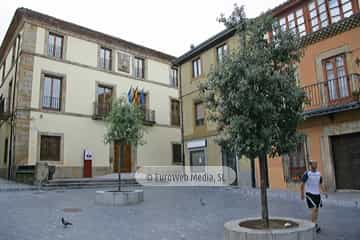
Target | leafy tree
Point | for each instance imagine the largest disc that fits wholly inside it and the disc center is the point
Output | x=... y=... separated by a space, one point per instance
x=124 y=126
x=253 y=95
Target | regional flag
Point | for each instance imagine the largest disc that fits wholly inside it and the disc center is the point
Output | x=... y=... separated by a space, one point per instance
x=130 y=98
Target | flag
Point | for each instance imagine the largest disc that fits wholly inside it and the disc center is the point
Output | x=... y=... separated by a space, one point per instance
x=135 y=99
x=130 y=95
x=142 y=98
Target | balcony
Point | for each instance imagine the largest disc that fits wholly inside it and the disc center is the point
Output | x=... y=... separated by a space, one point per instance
x=149 y=116
x=4 y=109
x=101 y=110
x=332 y=96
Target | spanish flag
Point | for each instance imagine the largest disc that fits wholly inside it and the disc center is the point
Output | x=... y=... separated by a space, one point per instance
x=135 y=99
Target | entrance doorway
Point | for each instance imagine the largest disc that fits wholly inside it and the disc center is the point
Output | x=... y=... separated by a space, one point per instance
x=126 y=163
x=346 y=157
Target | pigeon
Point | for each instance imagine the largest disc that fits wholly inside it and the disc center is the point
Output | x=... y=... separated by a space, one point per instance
x=202 y=202
x=65 y=223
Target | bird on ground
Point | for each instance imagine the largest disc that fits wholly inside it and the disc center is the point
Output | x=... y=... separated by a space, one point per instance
x=65 y=223
x=202 y=202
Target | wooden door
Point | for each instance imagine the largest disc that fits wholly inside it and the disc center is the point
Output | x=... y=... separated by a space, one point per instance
x=126 y=163
x=346 y=158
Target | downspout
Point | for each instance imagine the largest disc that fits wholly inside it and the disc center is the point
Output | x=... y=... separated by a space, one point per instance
x=12 y=121
x=181 y=119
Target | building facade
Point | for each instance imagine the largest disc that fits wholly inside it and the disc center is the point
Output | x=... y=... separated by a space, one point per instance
x=57 y=81
x=328 y=73
x=199 y=134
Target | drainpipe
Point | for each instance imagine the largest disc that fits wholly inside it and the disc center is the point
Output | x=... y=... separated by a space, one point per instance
x=12 y=120
x=181 y=119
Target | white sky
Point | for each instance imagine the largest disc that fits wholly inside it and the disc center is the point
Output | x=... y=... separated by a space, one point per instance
x=170 y=26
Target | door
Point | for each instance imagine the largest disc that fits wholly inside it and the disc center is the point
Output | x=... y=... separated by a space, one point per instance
x=126 y=163
x=197 y=160
x=336 y=77
x=346 y=157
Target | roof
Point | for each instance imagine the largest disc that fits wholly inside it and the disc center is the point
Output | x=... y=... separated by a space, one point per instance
x=218 y=38
x=332 y=30
x=28 y=14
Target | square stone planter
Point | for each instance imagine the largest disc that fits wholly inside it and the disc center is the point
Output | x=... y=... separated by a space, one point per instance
x=116 y=198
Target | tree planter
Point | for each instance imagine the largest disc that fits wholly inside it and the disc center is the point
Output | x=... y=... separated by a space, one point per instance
x=116 y=198
x=303 y=230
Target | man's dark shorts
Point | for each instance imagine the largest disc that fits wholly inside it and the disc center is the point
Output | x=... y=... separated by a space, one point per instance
x=313 y=200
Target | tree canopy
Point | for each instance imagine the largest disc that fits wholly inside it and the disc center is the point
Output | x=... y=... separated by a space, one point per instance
x=252 y=94
x=124 y=123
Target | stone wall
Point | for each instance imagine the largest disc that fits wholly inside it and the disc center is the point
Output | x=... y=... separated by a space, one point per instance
x=23 y=95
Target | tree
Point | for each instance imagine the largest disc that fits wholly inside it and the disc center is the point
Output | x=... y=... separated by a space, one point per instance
x=124 y=126
x=253 y=96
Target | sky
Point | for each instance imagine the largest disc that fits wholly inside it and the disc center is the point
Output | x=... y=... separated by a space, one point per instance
x=170 y=26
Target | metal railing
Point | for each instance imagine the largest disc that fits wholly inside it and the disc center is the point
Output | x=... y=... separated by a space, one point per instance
x=334 y=92
x=101 y=109
x=51 y=103
x=149 y=115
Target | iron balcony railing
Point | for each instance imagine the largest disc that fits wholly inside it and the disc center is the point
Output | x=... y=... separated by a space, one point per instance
x=149 y=115
x=331 y=93
x=4 y=109
x=51 y=103
x=101 y=109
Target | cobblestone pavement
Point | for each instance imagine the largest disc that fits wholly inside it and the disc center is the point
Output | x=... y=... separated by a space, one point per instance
x=166 y=214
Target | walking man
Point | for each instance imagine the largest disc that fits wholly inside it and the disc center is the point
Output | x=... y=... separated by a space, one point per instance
x=312 y=182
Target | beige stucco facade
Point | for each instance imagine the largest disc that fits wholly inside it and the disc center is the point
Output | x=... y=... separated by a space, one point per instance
x=75 y=123
x=206 y=133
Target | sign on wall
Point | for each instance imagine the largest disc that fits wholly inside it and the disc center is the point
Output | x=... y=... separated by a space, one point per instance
x=88 y=155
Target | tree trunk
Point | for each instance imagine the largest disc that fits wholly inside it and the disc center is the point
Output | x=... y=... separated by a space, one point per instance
x=121 y=151
x=253 y=178
x=263 y=187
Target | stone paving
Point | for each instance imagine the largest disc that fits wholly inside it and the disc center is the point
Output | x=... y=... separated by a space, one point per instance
x=166 y=214
x=10 y=186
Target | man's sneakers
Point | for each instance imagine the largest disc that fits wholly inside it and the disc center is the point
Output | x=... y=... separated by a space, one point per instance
x=317 y=228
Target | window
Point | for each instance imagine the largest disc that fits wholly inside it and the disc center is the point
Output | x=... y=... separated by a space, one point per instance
x=139 y=68
x=295 y=163
x=105 y=58
x=336 y=77
x=124 y=62
x=175 y=112
x=13 y=53
x=103 y=97
x=50 y=148
x=3 y=71
x=5 y=150
x=2 y=105
x=196 y=67
x=324 y=12
x=55 y=45
x=199 y=114
x=176 y=152
x=294 y=22
x=52 y=93
x=221 y=52
x=174 y=77
x=197 y=160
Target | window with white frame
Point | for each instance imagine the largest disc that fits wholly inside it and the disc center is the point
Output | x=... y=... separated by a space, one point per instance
x=196 y=68
x=174 y=77
x=55 y=45
x=139 y=68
